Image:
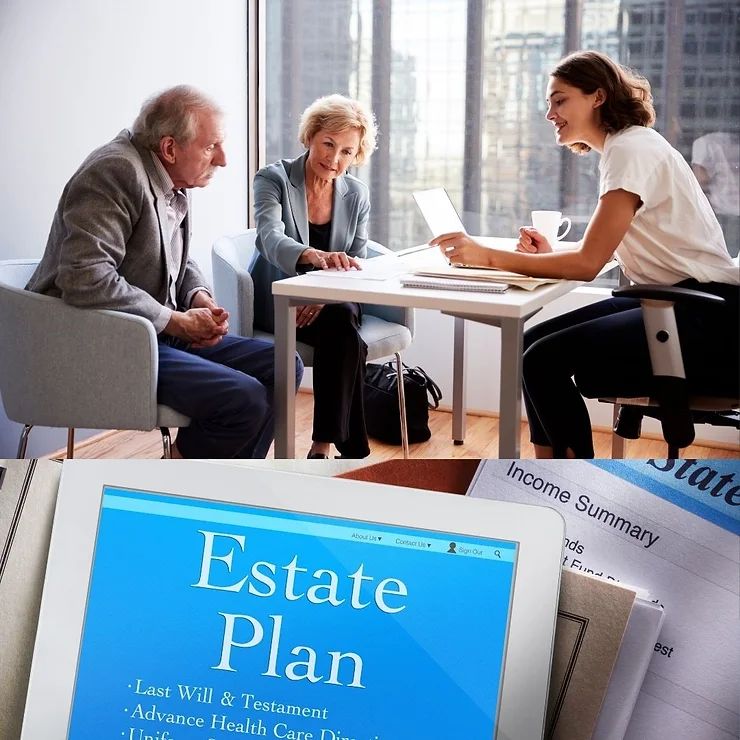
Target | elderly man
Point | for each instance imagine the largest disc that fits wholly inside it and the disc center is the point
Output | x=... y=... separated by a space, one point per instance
x=120 y=240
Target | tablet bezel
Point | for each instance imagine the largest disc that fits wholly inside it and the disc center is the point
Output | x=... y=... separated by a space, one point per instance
x=538 y=530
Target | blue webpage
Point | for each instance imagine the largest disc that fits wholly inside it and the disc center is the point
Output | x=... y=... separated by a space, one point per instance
x=215 y=621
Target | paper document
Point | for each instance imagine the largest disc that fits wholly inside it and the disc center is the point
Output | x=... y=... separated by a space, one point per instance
x=592 y=618
x=377 y=268
x=483 y=274
x=466 y=272
x=670 y=527
x=629 y=672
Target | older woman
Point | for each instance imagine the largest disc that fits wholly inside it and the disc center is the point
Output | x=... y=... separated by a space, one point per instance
x=311 y=214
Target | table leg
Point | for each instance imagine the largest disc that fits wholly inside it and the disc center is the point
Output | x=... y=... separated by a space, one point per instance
x=510 y=403
x=617 y=441
x=459 y=382
x=284 y=378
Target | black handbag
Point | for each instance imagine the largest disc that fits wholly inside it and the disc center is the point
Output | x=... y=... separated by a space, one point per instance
x=382 y=417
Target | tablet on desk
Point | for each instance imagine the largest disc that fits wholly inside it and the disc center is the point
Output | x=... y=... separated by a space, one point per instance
x=442 y=218
x=437 y=209
x=206 y=601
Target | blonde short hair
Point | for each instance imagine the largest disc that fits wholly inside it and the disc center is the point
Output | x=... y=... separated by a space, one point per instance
x=335 y=113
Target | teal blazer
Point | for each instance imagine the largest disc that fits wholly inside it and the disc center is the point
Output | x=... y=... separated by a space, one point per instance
x=281 y=217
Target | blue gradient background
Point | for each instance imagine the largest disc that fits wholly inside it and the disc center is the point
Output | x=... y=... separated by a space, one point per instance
x=432 y=670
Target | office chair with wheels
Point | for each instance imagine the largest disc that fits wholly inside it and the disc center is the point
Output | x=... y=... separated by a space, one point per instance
x=75 y=368
x=669 y=398
x=387 y=330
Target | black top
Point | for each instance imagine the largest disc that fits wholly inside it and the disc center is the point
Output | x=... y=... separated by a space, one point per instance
x=318 y=235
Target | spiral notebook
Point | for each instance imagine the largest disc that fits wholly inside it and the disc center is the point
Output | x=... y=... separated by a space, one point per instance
x=469 y=286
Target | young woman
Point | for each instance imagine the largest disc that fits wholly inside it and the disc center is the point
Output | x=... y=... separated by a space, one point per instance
x=653 y=217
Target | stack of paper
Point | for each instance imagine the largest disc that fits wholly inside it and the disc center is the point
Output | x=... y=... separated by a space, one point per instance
x=592 y=619
x=635 y=653
x=642 y=522
x=483 y=274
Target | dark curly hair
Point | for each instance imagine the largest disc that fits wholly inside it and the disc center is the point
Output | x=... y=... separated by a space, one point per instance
x=629 y=101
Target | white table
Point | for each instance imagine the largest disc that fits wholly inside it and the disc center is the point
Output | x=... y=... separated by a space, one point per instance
x=508 y=311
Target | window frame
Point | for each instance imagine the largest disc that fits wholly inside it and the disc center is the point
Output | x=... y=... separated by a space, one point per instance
x=257 y=84
x=256 y=96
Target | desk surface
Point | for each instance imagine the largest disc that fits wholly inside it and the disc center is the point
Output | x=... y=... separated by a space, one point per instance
x=515 y=303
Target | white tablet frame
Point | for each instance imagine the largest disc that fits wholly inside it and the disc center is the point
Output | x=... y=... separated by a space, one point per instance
x=540 y=532
x=430 y=215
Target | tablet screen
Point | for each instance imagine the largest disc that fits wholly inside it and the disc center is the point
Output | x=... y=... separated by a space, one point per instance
x=215 y=621
x=439 y=213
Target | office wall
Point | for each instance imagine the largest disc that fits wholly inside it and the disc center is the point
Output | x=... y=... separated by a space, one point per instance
x=72 y=75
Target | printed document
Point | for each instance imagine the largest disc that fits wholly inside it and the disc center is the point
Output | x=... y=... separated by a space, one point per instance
x=377 y=268
x=668 y=526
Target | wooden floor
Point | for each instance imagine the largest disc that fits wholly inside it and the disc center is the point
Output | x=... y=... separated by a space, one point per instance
x=481 y=441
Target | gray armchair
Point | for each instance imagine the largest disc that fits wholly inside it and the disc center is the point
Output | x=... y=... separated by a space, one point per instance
x=68 y=367
x=387 y=330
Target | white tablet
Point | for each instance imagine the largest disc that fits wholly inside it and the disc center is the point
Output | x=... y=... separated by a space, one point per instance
x=439 y=213
x=202 y=601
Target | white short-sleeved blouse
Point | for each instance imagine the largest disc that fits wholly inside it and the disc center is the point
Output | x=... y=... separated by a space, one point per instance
x=674 y=234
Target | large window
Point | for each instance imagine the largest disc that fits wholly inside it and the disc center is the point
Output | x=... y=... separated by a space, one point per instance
x=458 y=88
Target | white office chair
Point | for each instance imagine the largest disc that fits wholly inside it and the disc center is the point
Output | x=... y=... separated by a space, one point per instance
x=75 y=368
x=387 y=330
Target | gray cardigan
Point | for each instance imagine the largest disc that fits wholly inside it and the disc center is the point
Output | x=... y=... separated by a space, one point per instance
x=281 y=217
x=106 y=247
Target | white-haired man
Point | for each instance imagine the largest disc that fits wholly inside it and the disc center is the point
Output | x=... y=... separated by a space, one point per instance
x=120 y=240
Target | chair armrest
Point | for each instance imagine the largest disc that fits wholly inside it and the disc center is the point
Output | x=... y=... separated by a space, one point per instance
x=667 y=293
x=234 y=289
x=657 y=303
x=394 y=314
x=670 y=386
x=62 y=366
x=666 y=359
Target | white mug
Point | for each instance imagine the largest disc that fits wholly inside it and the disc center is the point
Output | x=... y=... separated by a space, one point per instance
x=548 y=223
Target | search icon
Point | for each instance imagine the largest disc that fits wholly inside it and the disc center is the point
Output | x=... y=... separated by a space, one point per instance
x=497 y=553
